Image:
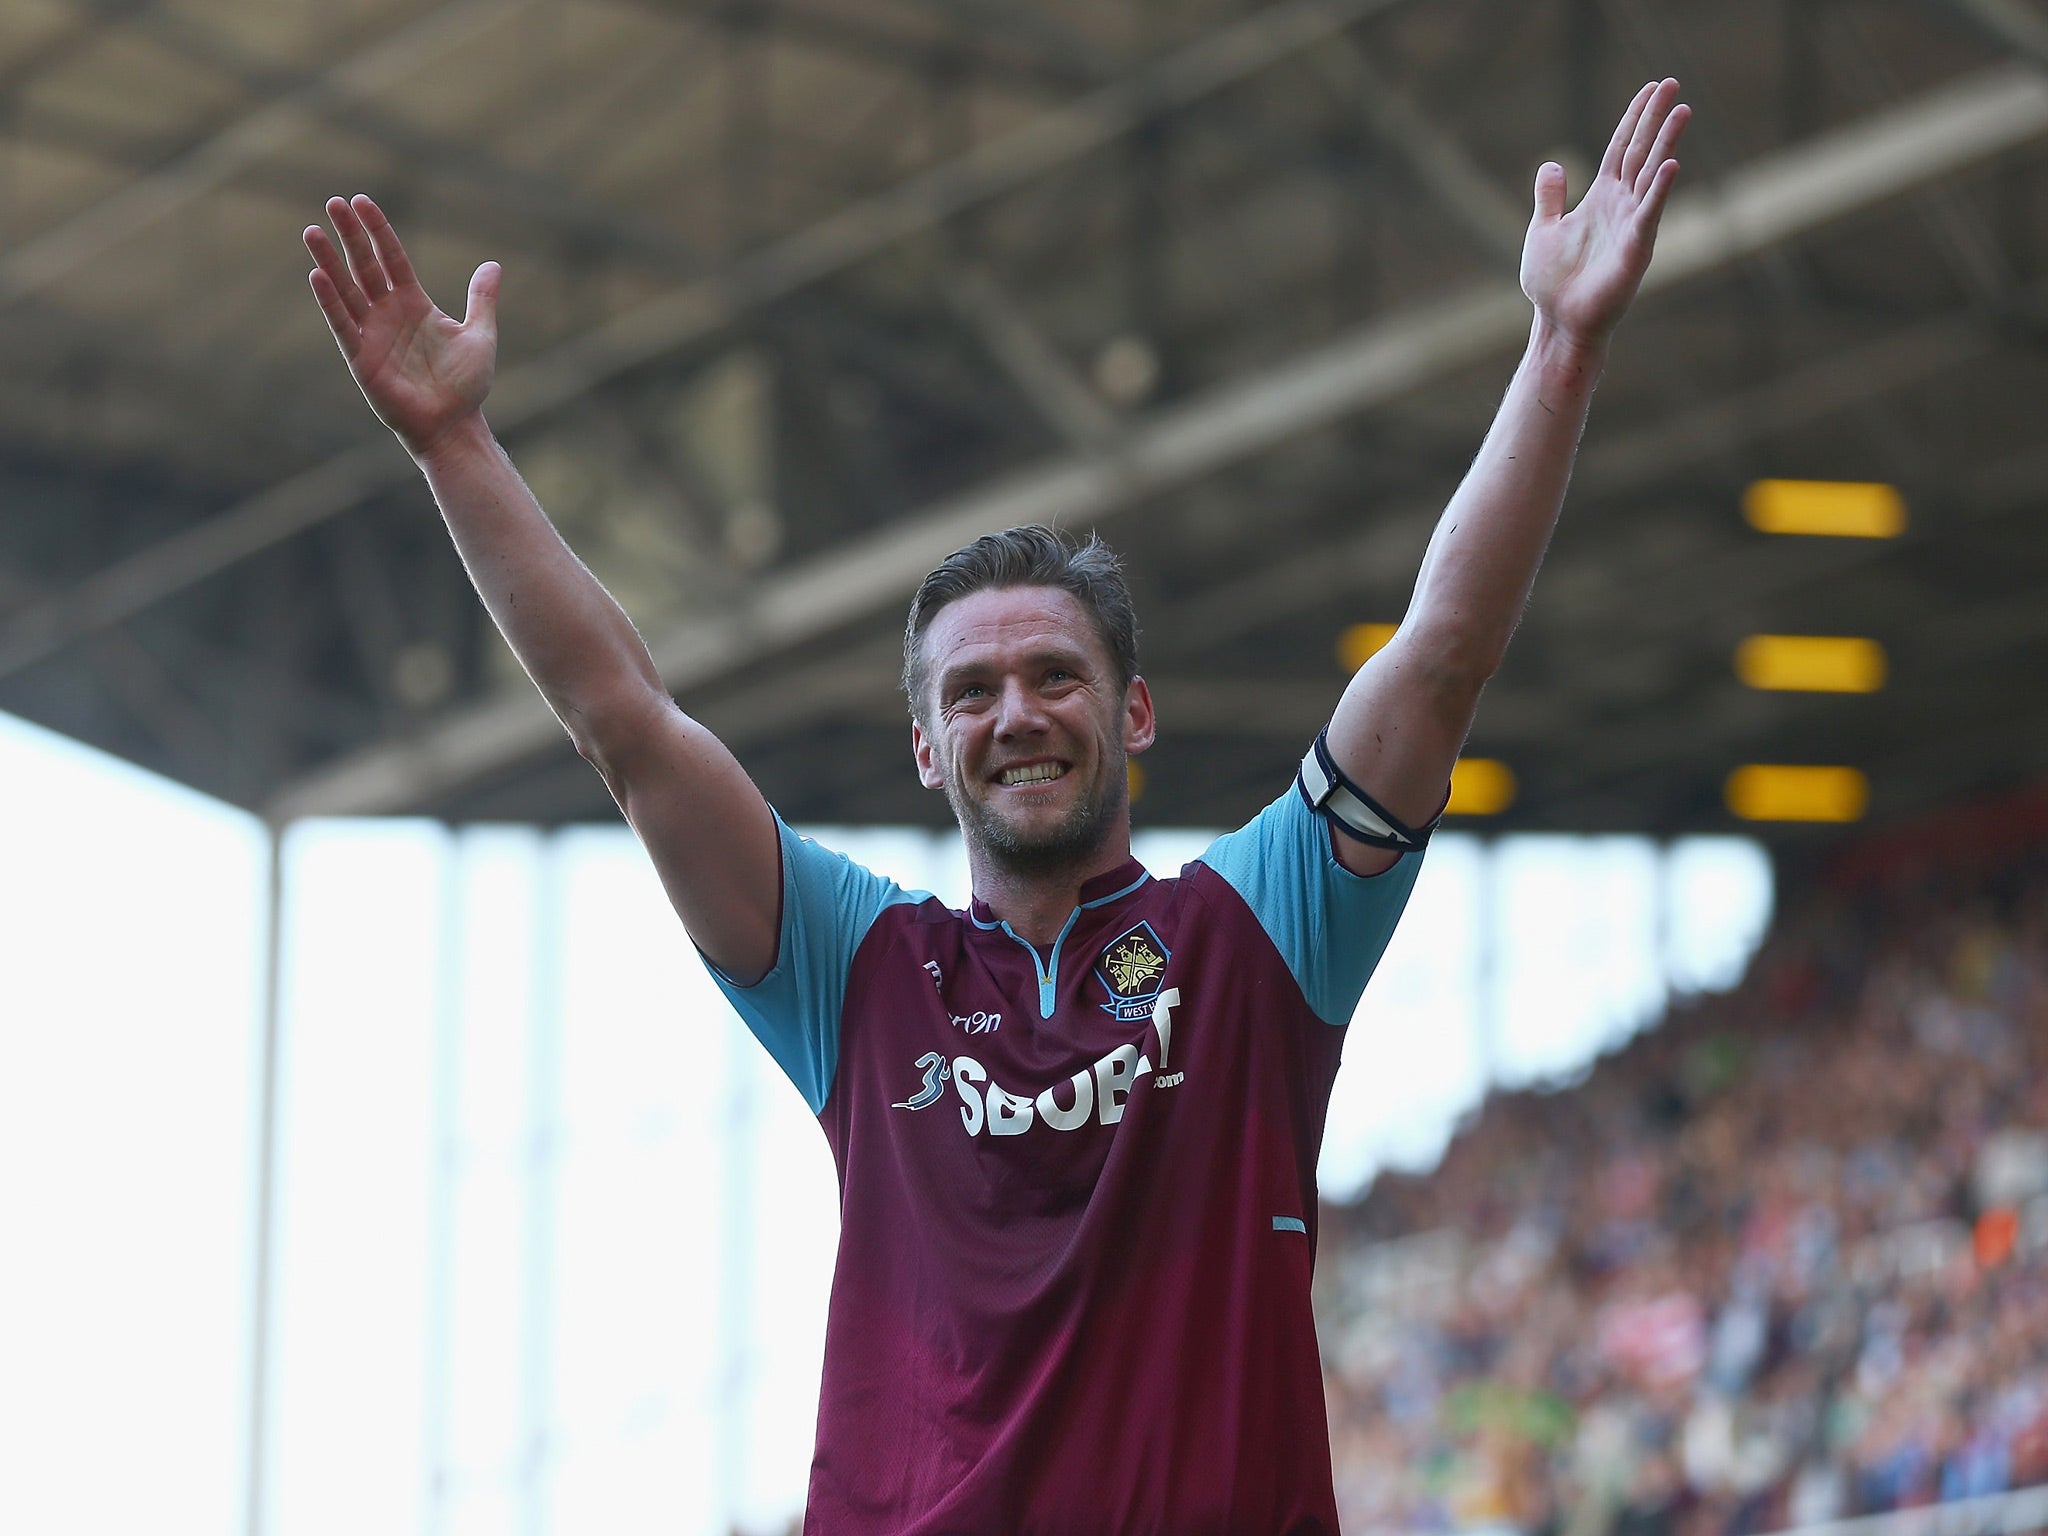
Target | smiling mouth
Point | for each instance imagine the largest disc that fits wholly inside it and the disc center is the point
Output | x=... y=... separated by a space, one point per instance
x=1033 y=773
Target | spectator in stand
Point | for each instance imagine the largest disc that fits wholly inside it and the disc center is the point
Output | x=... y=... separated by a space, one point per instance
x=1782 y=1259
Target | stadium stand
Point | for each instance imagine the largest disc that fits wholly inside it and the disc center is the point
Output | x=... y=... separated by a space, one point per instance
x=1779 y=1262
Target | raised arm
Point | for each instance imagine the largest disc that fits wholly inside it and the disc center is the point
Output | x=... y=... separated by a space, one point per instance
x=1403 y=719
x=426 y=376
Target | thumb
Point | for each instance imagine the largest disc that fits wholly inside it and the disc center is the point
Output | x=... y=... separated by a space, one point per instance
x=1549 y=192
x=483 y=298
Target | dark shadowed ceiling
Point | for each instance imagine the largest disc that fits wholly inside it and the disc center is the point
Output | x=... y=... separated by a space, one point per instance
x=800 y=294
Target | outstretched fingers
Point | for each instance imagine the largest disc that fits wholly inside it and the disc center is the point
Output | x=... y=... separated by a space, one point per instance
x=1659 y=156
x=1651 y=209
x=390 y=255
x=341 y=301
x=348 y=331
x=1624 y=131
x=363 y=264
x=329 y=261
x=1649 y=123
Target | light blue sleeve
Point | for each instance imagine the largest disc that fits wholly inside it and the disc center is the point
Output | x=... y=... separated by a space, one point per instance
x=828 y=904
x=1330 y=925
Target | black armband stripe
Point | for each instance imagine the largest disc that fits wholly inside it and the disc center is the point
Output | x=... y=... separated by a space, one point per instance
x=1350 y=809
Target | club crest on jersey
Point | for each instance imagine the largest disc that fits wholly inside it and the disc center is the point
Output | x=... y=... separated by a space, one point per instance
x=1131 y=967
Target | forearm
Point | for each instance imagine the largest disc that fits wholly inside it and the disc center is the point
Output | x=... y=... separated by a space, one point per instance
x=1403 y=719
x=573 y=639
x=1482 y=559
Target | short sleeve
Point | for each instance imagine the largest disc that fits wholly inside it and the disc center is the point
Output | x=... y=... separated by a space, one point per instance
x=1330 y=925
x=828 y=905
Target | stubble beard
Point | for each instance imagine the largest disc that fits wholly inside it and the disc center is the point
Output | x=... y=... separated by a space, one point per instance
x=1074 y=839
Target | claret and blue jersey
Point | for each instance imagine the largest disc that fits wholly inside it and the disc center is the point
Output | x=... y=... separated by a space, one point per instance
x=1077 y=1187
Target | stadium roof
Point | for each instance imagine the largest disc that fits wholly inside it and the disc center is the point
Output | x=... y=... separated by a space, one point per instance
x=802 y=293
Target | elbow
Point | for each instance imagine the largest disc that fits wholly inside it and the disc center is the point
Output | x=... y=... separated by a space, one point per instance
x=610 y=732
x=590 y=744
x=1469 y=674
x=1454 y=662
x=609 y=755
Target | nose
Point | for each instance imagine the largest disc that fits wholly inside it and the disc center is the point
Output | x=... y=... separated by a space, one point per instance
x=1021 y=712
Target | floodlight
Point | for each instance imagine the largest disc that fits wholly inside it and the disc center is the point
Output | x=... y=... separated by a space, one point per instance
x=1843 y=509
x=1811 y=663
x=1778 y=792
x=1480 y=786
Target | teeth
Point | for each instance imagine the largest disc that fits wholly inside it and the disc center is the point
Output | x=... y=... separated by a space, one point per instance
x=1037 y=773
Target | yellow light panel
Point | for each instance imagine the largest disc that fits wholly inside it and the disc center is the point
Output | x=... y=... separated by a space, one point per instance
x=1480 y=786
x=1810 y=663
x=1842 y=509
x=1134 y=776
x=1361 y=642
x=1776 y=792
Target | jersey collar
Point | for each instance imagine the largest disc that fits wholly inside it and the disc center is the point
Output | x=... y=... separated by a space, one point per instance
x=1111 y=885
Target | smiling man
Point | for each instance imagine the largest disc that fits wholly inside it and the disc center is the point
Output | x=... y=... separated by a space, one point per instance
x=1076 y=1125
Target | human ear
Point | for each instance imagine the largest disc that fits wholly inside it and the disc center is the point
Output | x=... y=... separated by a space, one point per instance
x=929 y=773
x=1139 y=726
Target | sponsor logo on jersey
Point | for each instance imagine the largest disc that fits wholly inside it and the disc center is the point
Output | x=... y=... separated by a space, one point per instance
x=1094 y=1095
x=936 y=1070
x=1131 y=968
x=978 y=1023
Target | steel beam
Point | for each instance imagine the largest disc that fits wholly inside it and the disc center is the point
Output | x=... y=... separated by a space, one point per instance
x=137 y=679
x=1864 y=163
x=1769 y=200
x=45 y=259
x=541 y=200
x=862 y=683
x=1960 y=645
x=1026 y=354
x=824 y=29
x=1434 y=158
x=2010 y=22
x=1960 y=234
x=1032 y=28
x=58 y=46
x=662 y=325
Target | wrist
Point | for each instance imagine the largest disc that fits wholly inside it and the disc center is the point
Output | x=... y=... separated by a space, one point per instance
x=1566 y=357
x=464 y=438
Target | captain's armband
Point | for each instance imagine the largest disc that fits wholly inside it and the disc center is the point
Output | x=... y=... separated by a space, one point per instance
x=1350 y=809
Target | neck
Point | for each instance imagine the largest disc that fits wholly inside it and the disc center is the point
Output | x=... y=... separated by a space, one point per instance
x=1037 y=903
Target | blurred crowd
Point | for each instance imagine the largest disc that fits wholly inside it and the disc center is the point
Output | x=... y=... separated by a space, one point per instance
x=1782 y=1260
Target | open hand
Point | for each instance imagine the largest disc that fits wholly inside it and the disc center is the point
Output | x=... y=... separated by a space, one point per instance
x=1581 y=269
x=422 y=371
